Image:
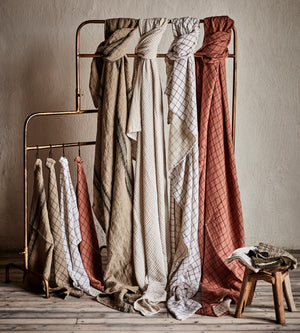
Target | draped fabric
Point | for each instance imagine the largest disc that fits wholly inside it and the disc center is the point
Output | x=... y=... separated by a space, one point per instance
x=150 y=205
x=220 y=215
x=70 y=229
x=40 y=240
x=185 y=274
x=110 y=86
x=60 y=279
x=89 y=247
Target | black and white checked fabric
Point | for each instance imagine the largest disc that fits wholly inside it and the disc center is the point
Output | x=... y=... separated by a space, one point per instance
x=70 y=229
x=150 y=204
x=184 y=278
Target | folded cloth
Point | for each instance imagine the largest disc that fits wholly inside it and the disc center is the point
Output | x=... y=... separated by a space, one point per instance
x=241 y=254
x=276 y=257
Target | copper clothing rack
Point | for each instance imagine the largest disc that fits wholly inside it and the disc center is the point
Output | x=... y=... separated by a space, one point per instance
x=79 y=111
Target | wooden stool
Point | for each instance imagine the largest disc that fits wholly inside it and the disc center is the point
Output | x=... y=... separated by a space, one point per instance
x=280 y=280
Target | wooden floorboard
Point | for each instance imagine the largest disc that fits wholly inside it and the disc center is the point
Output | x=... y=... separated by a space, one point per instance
x=23 y=311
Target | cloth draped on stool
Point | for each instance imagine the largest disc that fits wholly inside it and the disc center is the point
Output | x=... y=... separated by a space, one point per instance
x=184 y=277
x=150 y=205
x=220 y=214
x=40 y=240
x=110 y=86
x=60 y=279
x=70 y=229
x=89 y=246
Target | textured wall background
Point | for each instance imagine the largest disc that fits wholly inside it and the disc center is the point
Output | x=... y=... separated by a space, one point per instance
x=37 y=43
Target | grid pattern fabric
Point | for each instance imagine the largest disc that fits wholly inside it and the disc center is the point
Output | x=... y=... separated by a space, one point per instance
x=60 y=279
x=150 y=204
x=40 y=244
x=110 y=86
x=88 y=247
x=70 y=229
x=185 y=274
x=220 y=215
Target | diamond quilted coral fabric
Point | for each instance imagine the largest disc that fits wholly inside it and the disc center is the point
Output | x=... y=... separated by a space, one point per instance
x=150 y=205
x=110 y=86
x=88 y=247
x=185 y=274
x=221 y=228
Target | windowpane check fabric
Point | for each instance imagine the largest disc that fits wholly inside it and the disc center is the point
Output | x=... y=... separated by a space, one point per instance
x=89 y=246
x=150 y=205
x=110 y=86
x=220 y=215
x=184 y=278
x=60 y=278
x=70 y=229
x=40 y=244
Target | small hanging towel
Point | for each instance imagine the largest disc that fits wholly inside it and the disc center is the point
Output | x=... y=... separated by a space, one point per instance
x=89 y=246
x=150 y=205
x=184 y=278
x=60 y=278
x=221 y=228
x=110 y=86
x=70 y=229
x=40 y=245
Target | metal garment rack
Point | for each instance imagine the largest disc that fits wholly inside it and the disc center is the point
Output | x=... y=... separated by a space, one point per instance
x=79 y=111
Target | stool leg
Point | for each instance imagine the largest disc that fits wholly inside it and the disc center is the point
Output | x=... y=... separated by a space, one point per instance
x=246 y=286
x=251 y=292
x=278 y=298
x=287 y=290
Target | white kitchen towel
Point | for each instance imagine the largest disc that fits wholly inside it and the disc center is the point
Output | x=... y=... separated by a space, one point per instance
x=150 y=205
x=70 y=229
x=185 y=274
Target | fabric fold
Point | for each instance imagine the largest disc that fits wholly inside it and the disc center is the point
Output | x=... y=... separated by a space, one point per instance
x=110 y=86
x=184 y=278
x=150 y=203
x=220 y=215
x=40 y=240
x=70 y=229
x=89 y=246
x=60 y=281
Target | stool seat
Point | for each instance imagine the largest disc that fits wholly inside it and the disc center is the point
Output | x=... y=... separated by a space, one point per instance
x=280 y=280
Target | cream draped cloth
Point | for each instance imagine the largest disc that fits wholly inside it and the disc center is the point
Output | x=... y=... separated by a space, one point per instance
x=110 y=86
x=60 y=279
x=70 y=229
x=150 y=204
x=184 y=278
x=40 y=244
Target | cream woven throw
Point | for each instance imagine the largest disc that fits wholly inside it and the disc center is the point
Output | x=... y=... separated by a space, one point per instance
x=70 y=229
x=150 y=205
x=110 y=86
x=184 y=278
x=40 y=245
x=60 y=279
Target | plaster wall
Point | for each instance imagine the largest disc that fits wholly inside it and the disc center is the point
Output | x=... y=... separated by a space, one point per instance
x=37 y=43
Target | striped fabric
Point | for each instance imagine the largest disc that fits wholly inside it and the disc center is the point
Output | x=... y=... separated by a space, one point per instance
x=185 y=273
x=88 y=247
x=220 y=215
x=60 y=279
x=110 y=86
x=70 y=229
x=150 y=205
x=40 y=240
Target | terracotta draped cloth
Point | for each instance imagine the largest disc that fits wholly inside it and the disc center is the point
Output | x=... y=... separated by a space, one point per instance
x=60 y=279
x=89 y=246
x=185 y=274
x=40 y=240
x=220 y=215
x=110 y=86
x=150 y=205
